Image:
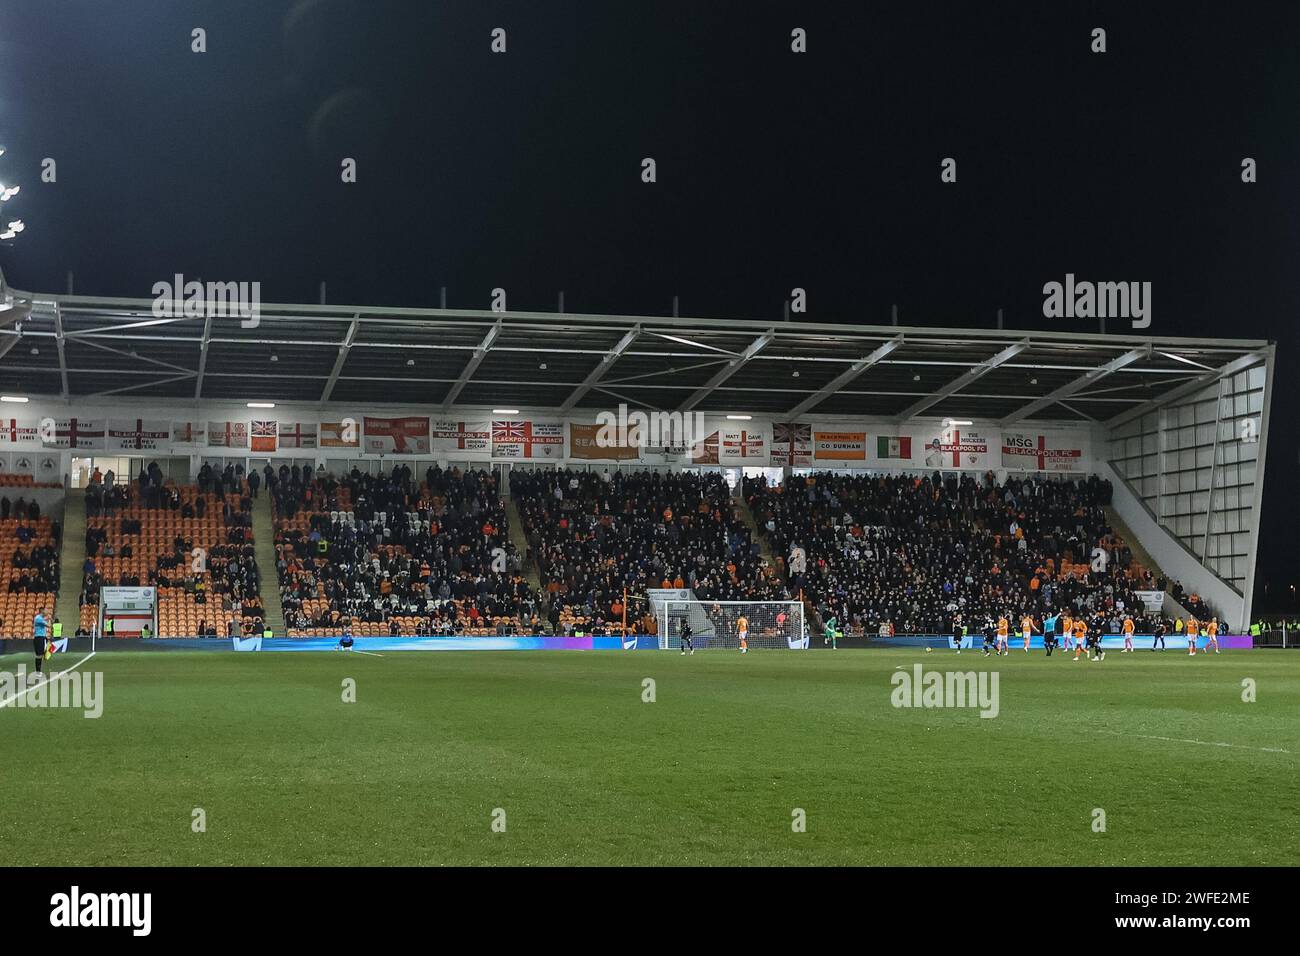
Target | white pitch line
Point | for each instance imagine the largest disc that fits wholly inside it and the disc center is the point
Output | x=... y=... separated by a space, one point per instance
x=367 y=653
x=9 y=700
x=1203 y=743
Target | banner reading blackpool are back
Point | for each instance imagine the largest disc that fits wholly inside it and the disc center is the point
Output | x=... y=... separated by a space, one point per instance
x=515 y=439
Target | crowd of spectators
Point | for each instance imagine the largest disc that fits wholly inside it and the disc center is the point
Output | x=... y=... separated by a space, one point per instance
x=431 y=557
x=912 y=554
x=595 y=534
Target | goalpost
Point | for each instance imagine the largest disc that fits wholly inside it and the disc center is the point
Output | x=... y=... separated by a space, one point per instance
x=778 y=624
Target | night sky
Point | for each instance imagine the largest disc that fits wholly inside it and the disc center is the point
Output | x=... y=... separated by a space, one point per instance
x=775 y=169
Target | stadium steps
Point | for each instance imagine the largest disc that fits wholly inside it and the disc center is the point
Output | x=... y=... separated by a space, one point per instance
x=72 y=555
x=764 y=548
x=812 y=619
x=1140 y=554
x=531 y=572
x=264 y=554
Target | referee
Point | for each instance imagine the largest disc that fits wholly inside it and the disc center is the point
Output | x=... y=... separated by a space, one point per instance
x=38 y=638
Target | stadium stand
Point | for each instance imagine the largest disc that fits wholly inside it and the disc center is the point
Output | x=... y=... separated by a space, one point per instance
x=194 y=543
x=29 y=563
x=387 y=555
x=913 y=552
x=597 y=533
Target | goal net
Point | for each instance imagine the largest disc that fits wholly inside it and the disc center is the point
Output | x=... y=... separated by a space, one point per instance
x=716 y=623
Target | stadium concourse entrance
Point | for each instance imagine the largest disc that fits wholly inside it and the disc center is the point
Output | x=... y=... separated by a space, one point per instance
x=127 y=468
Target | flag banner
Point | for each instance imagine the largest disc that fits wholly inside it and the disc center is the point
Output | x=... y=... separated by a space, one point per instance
x=894 y=447
x=297 y=435
x=742 y=445
x=584 y=443
x=397 y=436
x=791 y=444
x=228 y=434
x=264 y=436
x=706 y=452
x=1038 y=453
x=77 y=433
x=957 y=449
x=189 y=433
x=515 y=439
x=137 y=434
x=667 y=454
x=16 y=432
x=462 y=436
x=343 y=434
x=840 y=446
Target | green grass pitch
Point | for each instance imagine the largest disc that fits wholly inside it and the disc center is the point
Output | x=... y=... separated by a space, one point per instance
x=711 y=772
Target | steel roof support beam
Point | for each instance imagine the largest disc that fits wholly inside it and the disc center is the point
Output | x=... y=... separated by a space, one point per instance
x=1078 y=384
x=599 y=371
x=58 y=338
x=472 y=365
x=972 y=375
x=344 y=348
x=1191 y=388
x=730 y=369
x=848 y=375
x=203 y=355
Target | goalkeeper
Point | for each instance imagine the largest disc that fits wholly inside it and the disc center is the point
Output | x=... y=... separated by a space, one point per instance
x=687 y=643
x=831 y=633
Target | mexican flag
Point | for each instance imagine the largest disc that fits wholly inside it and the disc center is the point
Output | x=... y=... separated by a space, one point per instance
x=893 y=447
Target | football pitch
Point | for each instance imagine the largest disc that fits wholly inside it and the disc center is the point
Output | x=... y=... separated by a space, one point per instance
x=572 y=758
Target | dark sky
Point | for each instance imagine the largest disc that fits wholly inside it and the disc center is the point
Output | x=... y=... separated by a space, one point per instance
x=775 y=170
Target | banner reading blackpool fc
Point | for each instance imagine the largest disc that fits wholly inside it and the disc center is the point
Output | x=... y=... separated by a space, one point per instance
x=397 y=436
x=15 y=432
x=138 y=434
x=1040 y=453
x=957 y=448
x=463 y=436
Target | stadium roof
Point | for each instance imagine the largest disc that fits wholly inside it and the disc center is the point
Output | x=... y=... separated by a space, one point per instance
x=78 y=347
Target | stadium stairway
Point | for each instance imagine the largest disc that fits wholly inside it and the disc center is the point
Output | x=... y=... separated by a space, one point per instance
x=264 y=553
x=72 y=555
x=812 y=619
x=1143 y=557
x=747 y=516
x=532 y=574
x=1140 y=554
